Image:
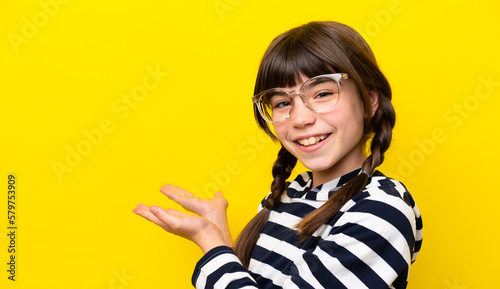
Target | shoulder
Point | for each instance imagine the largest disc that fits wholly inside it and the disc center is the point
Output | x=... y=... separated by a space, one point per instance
x=382 y=191
x=386 y=207
x=385 y=204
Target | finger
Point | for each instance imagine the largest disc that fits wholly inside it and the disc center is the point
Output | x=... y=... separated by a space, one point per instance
x=169 y=191
x=184 y=198
x=175 y=193
x=177 y=190
x=142 y=206
x=170 y=218
x=175 y=212
x=145 y=212
x=220 y=199
x=172 y=192
x=184 y=192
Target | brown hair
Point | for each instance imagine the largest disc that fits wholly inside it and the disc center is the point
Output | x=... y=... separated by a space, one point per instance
x=313 y=49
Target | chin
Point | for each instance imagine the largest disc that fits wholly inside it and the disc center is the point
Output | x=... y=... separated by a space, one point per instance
x=317 y=167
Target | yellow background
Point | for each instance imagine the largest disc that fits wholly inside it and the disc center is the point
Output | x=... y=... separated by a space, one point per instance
x=67 y=68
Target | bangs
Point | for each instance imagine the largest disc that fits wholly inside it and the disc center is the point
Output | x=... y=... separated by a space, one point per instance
x=290 y=59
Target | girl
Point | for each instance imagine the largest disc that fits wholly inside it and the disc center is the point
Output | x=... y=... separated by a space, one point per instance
x=343 y=224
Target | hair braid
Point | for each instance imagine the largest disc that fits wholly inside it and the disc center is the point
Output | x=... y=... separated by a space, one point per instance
x=282 y=169
x=381 y=124
x=247 y=239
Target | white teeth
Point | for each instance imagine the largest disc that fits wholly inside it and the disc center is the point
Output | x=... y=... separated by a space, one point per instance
x=311 y=141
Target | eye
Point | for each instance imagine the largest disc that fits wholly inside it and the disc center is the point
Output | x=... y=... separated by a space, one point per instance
x=281 y=104
x=324 y=95
x=279 y=100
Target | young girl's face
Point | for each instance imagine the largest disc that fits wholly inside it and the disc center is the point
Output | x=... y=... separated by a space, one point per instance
x=328 y=143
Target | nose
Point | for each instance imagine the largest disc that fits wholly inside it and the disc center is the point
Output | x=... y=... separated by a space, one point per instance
x=301 y=115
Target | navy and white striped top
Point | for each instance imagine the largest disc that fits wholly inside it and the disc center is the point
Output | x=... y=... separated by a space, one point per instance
x=370 y=243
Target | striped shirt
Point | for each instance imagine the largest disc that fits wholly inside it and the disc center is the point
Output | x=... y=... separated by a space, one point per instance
x=370 y=243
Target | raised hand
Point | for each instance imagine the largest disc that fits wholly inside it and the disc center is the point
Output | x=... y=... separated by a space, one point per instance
x=208 y=229
x=212 y=209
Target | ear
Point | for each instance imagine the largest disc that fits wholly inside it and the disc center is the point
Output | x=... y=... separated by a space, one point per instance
x=374 y=100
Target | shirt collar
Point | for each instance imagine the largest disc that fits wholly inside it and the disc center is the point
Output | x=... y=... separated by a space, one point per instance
x=301 y=186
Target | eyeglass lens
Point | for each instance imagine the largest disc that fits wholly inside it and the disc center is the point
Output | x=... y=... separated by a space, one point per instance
x=320 y=94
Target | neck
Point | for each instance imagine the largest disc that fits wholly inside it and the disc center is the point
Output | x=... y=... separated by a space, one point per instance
x=349 y=163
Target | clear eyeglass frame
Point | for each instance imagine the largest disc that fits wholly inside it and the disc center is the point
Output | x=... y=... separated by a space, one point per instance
x=257 y=99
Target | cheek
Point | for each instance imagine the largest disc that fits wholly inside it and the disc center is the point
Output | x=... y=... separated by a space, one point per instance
x=355 y=124
x=354 y=113
x=348 y=122
x=280 y=131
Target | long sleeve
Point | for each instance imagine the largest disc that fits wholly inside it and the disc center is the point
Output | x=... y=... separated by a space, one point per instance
x=221 y=268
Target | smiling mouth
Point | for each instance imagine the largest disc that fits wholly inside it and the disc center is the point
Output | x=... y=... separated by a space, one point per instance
x=312 y=140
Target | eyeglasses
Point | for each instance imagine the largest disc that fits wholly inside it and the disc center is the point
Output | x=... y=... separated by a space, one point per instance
x=320 y=94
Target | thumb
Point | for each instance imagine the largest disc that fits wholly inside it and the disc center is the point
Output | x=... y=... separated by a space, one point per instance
x=218 y=194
